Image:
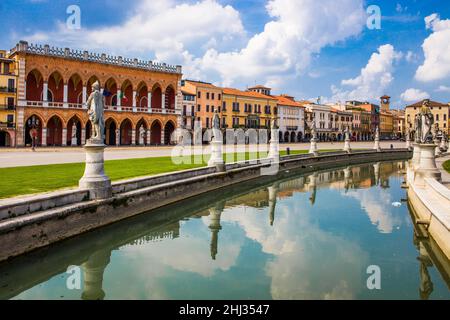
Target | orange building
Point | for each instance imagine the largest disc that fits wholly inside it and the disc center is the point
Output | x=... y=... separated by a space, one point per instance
x=208 y=100
x=143 y=98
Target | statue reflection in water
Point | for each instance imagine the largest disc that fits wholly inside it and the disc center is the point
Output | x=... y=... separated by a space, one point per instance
x=313 y=187
x=93 y=270
x=272 y=191
x=426 y=285
x=214 y=216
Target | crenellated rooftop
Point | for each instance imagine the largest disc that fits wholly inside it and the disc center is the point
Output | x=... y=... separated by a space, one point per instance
x=68 y=53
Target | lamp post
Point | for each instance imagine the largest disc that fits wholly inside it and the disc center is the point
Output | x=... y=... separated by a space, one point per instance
x=33 y=123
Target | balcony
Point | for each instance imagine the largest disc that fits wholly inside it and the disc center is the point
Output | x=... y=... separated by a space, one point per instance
x=6 y=107
x=293 y=128
x=7 y=90
x=62 y=105
x=9 y=125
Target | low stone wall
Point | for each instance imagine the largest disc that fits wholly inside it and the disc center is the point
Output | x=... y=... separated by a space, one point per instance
x=36 y=229
x=430 y=203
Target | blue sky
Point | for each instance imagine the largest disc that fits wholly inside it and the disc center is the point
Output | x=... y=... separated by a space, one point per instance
x=302 y=47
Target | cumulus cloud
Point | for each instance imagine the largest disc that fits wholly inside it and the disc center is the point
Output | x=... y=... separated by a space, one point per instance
x=412 y=95
x=443 y=89
x=165 y=28
x=298 y=30
x=436 y=49
x=209 y=39
x=373 y=79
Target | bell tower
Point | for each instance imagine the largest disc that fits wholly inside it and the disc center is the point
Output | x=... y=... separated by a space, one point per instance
x=385 y=103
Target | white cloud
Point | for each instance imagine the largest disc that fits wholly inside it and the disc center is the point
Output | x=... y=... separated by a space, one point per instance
x=436 y=49
x=412 y=95
x=209 y=39
x=166 y=28
x=443 y=89
x=411 y=57
x=298 y=29
x=374 y=78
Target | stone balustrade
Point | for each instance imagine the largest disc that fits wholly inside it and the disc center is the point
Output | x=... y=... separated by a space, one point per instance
x=68 y=53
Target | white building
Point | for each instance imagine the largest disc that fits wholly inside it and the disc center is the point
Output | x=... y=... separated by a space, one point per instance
x=323 y=120
x=291 y=119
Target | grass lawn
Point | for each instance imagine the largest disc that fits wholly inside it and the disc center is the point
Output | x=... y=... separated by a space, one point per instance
x=36 y=179
x=446 y=166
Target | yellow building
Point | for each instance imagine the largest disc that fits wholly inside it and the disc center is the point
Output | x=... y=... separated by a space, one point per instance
x=8 y=82
x=399 y=123
x=439 y=110
x=248 y=109
x=386 y=118
x=386 y=124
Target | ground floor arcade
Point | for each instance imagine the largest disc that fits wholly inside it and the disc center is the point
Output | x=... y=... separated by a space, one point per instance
x=68 y=127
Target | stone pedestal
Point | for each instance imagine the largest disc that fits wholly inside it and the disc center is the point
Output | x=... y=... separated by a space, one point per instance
x=347 y=147
x=408 y=142
x=377 y=145
x=427 y=165
x=274 y=147
x=313 y=148
x=416 y=156
x=74 y=142
x=94 y=178
x=216 y=155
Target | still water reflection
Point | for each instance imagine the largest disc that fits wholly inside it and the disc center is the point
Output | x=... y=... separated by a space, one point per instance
x=298 y=237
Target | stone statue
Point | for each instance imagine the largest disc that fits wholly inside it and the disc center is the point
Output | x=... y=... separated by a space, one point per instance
x=425 y=123
x=417 y=128
x=74 y=135
x=96 y=104
x=313 y=126
x=377 y=133
x=347 y=133
x=141 y=135
x=74 y=131
x=436 y=132
x=273 y=124
x=216 y=121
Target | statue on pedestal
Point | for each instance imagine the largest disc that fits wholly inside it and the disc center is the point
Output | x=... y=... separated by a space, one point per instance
x=377 y=133
x=347 y=133
x=424 y=122
x=313 y=127
x=96 y=104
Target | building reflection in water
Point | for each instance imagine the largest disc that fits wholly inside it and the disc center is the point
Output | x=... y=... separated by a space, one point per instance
x=267 y=196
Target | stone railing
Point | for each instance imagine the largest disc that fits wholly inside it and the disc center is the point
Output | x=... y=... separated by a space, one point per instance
x=49 y=104
x=67 y=53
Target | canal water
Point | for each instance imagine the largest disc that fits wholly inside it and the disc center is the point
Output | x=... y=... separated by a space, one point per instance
x=340 y=234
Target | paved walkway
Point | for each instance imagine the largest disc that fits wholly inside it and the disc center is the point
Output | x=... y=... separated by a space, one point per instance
x=10 y=157
x=445 y=174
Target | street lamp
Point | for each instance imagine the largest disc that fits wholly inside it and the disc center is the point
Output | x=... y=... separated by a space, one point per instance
x=33 y=123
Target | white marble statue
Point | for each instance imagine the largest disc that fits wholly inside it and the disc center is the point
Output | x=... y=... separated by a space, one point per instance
x=377 y=133
x=141 y=135
x=347 y=133
x=424 y=123
x=74 y=141
x=96 y=104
